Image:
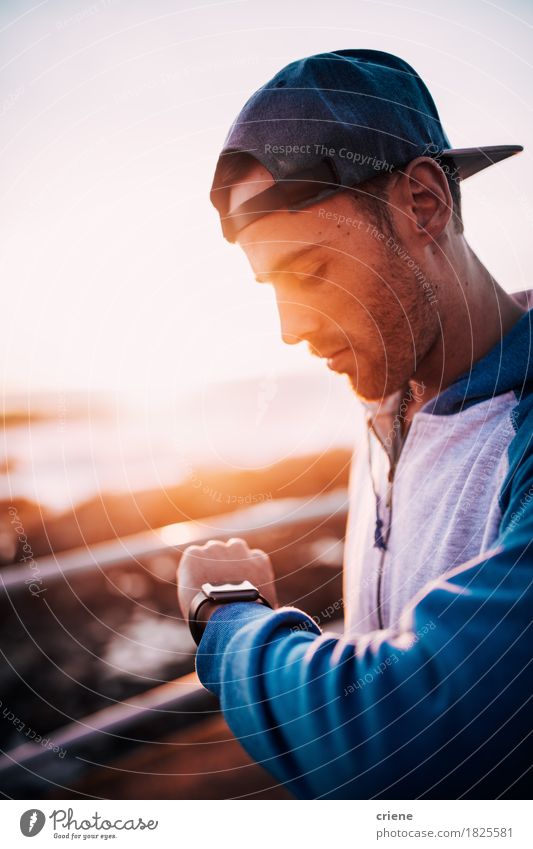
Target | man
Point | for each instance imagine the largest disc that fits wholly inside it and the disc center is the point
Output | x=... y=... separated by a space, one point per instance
x=339 y=183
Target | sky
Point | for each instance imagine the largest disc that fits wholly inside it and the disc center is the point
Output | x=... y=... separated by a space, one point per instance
x=115 y=276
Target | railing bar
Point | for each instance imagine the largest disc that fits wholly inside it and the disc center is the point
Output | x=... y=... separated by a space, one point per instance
x=176 y=536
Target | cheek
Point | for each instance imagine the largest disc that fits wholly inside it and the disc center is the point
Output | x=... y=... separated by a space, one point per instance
x=356 y=288
x=338 y=300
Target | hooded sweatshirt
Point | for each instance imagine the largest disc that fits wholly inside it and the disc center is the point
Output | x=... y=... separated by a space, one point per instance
x=427 y=694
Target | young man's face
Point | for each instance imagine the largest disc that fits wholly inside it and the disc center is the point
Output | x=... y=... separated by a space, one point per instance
x=343 y=284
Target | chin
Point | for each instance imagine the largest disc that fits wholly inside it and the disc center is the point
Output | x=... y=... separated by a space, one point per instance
x=367 y=388
x=364 y=391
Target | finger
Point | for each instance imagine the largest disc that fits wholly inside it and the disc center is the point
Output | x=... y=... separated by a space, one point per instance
x=213 y=543
x=212 y=548
x=192 y=549
x=237 y=542
x=195 y=547
x=218 y=550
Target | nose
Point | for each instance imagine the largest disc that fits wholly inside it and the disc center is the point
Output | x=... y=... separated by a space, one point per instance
x=298 y=322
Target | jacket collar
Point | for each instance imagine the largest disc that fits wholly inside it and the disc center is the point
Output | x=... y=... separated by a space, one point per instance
x=507 y=366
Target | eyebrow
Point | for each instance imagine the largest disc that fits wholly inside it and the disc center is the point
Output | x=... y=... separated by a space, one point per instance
x=288 y=260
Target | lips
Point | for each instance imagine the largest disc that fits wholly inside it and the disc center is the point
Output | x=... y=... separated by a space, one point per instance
x=336 y=360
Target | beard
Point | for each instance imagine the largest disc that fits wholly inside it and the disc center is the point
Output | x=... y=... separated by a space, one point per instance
x=406 y=326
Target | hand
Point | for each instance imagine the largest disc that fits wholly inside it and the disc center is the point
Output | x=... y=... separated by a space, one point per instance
x=219 y=562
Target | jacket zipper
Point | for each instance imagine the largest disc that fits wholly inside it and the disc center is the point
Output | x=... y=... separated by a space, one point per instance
x=381 y=566
x=385 y=536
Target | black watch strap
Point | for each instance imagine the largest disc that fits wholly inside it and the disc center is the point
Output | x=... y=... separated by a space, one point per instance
x=227 y=593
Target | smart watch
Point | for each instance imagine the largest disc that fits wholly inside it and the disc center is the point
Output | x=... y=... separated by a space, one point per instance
x=220 y=594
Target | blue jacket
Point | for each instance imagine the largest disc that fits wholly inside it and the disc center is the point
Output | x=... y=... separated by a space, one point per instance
x=435 y=703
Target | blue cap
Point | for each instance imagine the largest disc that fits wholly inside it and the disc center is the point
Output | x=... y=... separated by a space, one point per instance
x=333 y=121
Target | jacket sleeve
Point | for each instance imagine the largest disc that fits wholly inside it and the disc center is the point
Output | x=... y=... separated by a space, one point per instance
x=436 y=709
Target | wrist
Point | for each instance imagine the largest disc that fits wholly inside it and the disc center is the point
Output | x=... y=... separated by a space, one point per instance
x=213 y=596
x=207 y=611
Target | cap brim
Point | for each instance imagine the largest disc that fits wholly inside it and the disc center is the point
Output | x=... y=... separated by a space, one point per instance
x=470 y=160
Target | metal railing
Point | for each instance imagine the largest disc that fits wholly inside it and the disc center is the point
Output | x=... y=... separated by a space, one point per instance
x=255 y=520
x=100 y=738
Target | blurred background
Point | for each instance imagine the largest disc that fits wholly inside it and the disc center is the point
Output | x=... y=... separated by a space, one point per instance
x=146 y=393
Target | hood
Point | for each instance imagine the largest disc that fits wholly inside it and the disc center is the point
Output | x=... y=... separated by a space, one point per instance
x=506 y=367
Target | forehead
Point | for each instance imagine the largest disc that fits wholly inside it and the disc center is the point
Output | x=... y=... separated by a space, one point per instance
x=314 y=233
x=282 y=240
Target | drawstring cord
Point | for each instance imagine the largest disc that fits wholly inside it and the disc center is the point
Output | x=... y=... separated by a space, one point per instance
x=379 y=536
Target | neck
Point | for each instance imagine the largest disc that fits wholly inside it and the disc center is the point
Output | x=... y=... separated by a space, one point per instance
x=475 y=315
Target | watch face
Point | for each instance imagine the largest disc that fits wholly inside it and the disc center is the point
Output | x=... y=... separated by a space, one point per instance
x=238 y=591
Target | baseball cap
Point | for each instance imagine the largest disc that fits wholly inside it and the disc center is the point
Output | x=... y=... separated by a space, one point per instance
x=333 y=121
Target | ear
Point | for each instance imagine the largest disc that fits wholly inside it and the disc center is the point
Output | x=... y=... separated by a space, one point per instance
x=424 y=197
